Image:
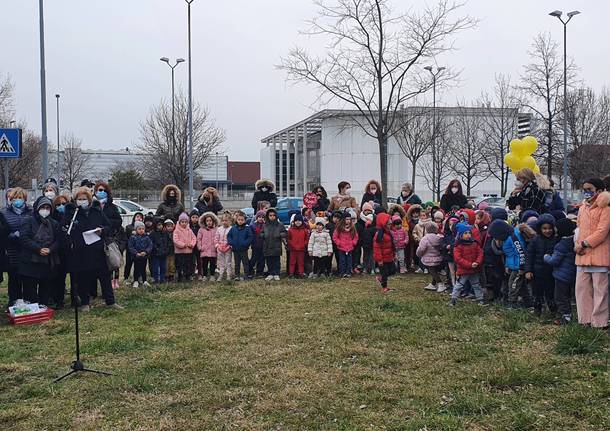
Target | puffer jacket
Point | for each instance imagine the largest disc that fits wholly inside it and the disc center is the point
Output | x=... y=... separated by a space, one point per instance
x=465 y=253
x=562 y=260
x=221 y=239
x=162 y=243
x=274 y=235
x=257 y=228
x=205 y=242
x=344 y=240
x=138 y=244
x=534 y=258
x=240 y=237
x=340 y=202
x=320 y=244
x=514 y=249
x=383 y=245
x=184 y=240
x=400 y=238
x=430 y=249
x=298 y=238
x=167 y=209
x=368 y=235
x=14 y=224
x=260 y=195
x=594 y=227
x=32 y=264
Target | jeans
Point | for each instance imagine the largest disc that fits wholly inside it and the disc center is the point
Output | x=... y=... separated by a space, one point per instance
x=240 y=258
x=400 y=258
x=159 y=268
x=345 y=263
x=87 y=281
x=257 y=261
x=273 y=265
x=475 y=283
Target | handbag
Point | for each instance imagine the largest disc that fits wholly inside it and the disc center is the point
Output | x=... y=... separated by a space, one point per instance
x=114 y=257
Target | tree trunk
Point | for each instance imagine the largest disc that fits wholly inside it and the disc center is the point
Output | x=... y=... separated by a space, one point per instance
x=549 y=160
x=383 y=167
x=413 y=173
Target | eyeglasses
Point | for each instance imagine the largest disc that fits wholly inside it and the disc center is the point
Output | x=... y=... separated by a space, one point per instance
x=101 y=190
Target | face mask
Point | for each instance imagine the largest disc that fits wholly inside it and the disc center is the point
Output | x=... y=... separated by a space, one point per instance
x=50 y=195
x=44 y=213
x=518 y=184
x=454 y=190
x=264 y=189
x=171 y=199
x=373 y=191
x=101 y=195
x=588 y=194
x=83 y=203
x=18 y=203
x=348 y=191
x=61 y=208
x=404 y=193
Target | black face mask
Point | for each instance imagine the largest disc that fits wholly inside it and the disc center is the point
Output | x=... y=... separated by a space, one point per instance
x=171 y=199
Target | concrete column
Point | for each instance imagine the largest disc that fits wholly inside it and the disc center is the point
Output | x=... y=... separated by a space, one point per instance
x=273 y=162
x=281 y=184
x=305 y=159
x=296 y=161
x=288 y=179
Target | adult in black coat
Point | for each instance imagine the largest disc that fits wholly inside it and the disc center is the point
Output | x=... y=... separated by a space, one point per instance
x=171 y=203
x=453 y=196
x=209 y=201
x=58 y=285
x=323 y=201
x=87 y=262
x=103 y=199
x=14 y=215
x=39 y=260
x=372 y=193
x=408 y=196
x=264 y=192
x=528 y=194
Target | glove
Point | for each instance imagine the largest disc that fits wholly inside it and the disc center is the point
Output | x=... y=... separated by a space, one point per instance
x=13 y=235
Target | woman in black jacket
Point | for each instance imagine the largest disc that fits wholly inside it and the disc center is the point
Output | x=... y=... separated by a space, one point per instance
x=39 y=260
x=209 y=201
x=264 y=192
x=87 y=262
x=58 y=285
x=454 y=196
x=103 y=199
x=323 y=201
x=527 y=195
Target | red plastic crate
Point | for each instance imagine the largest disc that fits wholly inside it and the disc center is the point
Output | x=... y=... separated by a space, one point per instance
x=33 y=318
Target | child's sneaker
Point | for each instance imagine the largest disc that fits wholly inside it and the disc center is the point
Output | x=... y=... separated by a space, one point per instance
x=419 y=271
x=440 y=287
x=269 y=278
x=452 y=302
x=146 y=284
x=311 y=275
x=276 y=278
x=237 y=279
x=386 y=290
x=135 y=285
x=127 y=282
x=430 y=287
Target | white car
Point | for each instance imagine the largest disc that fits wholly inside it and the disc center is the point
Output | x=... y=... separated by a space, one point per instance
x=128 y=208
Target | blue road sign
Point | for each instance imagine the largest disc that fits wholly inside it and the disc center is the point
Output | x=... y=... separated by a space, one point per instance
x=10 y=143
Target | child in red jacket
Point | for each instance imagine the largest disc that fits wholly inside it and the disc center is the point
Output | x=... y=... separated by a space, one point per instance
x=298 y=239
x=468 y=257
x=383 y=250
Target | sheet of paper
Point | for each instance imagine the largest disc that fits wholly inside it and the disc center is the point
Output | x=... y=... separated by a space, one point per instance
x=91 y=237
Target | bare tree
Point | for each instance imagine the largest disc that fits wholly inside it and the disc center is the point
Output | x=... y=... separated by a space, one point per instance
x=7 y=108
x=414 y=135
x=501 y=110
x=75 y=163
x=162 y=161
x=442 y=170
x=467 y=159
x=542 y=86
x=374 y=58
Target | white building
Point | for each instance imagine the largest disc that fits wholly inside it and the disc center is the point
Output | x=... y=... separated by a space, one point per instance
x=337 y=149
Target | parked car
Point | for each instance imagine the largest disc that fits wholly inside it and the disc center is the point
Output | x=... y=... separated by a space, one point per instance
x=494 y=201
x=128 y=208
x=286 y=207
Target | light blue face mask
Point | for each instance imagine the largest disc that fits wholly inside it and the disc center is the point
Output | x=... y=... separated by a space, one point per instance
x=18 y=203
x=83 y=203
x=101 y=194
x=61 y=208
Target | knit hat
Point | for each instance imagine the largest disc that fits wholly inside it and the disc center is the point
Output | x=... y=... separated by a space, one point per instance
x=270 y=211
x=43 y=200
x=138 y=224
x=367 y=207
x=558 y=214
x=461 y=229
x=320 y=220
x=396 y=219
x=183 y=216
x=338 y=214
x=483 y=206
x=52 y=184
x=565 y=227
x=499 y=229
x=439 y=214
x=527 y=214
x=545 y=219
x=297 y=217
x=193 y=212
x=499 y=214
x=260 y=214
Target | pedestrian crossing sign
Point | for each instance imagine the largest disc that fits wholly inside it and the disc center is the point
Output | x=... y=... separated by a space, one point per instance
x=10 y=143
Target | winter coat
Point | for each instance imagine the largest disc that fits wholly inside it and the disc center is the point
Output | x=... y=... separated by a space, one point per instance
x=114 y=217
x=320 y=244
x=138 y=244
x=370 y=197
x=368 y=236
x=412 y=199
x=344 y=240
x=448 y=242
x=594 y=227
x=31 y=263
x=465 y=253
x=240 y=237
x=221 y=239
x=162 y=243
x=298 y=238
x=274 y=235
x=4 y=231
x=419 y=230
x=562 y=260
x=534 y=258
x=205 y=242
x=492 y=257
x=400 y=238
x=393 y=208
x=514 y=249
x=257 y=241
x=83 y=257
x=14 y=224
x=167 y=210
x=341 y=202
x=268 y=196
x=321 y=205
x=531 y=197
x=383 y=245
x=209 y=201
x=184 y=240
x=430 y=249
x=448 y=200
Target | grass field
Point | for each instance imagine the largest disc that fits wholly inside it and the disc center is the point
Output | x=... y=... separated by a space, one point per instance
x=317 y=355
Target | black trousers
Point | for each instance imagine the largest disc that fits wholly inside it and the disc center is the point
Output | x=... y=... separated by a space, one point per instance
x=182 y=266
x=387 y=269
x=563 y=291
x=37 y=289
x=357 y=256
x=544 y=291
x=257 y=262
x=494 y=280
x=241 y=258
x=208 y=266
x=128 y=264
x=86 y=281
x=15 y=285
x=321 y=265
x=139 y=269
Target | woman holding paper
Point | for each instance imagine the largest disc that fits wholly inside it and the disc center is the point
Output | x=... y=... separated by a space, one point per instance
x=85 y=227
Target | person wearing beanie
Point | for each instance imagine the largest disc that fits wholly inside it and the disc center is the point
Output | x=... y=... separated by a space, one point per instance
x=240 y=238
x=208 y=224
x=558 y=214
x=140 y=247
x=468 y=257
x=383 y=250
x=257 y=258
x=537 y=272
x=368 y=207
x=274 y=237
x=499 y=214
x=401 y=241
x=184 y=243
x=528 y=215
x=320 y=248
x=562 y=260
x=39 y=258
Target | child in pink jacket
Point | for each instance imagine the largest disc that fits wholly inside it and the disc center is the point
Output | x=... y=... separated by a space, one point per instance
x=401 y=239
x=208 y=225
x=430 y=252
x=223 y=249
x=345 y=239
x=184 y=243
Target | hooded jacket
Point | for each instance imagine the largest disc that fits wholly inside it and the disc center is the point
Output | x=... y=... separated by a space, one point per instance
x=138 y=244
x=274 y=235
x=465 y=253
x=419 y=230
x=209 y=201
x=205 y=236
x=594 y=227
x=240 y=237
x=162 y=243
x=400 y=238
x=320 y=244
x=372 y=197
x=562 y=260
x=260 y=195
x=184 y=240
x=167 y=209
x=394 y=208
x=449 y=200
x=112 y=214
x=383 y=246
x=32 y=264
x=515 y=249
x=344 y=240
x=298 y=237
x=429 y=249
x=538 y=247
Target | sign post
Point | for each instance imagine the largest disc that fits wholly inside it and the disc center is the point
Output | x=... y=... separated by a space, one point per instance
x=10 y=148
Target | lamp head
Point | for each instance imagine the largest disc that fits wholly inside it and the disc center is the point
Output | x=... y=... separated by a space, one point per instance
x=180 y=60
x=573 y=13
x=57 y=95
x=556 y=13
x=164 y=59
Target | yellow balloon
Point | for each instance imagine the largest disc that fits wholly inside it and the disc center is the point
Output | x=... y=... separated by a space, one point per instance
x=511 y=160
x=536 y=169
x=527 y=162
x=530 y=144
x=517 y=148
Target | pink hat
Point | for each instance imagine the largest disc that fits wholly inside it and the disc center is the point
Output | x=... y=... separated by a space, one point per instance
x=367 y=206
x=183 y=216
x=483 y=206
x=396 y=218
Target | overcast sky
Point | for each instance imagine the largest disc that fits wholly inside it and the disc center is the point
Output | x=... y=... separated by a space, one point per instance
x=102 y=56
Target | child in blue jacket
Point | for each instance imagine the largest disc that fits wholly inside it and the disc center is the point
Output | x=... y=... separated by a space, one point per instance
x=140 y=247
x=537 y=271
x=239 y=238
x=562 y=260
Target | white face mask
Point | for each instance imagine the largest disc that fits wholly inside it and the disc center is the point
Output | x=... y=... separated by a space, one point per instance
x=373 y=191
x=454 y=190
x=347 y=191
x=83 y=203
x=263 y=189
x=50 y=195
x=44 y=213
x=518 y=184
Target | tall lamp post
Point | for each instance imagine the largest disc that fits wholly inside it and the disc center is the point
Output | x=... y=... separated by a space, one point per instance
x=58 y=141
x=436 y=187
x=557 y=14
x=178 y=61
x=190 y=109
x=43 y=96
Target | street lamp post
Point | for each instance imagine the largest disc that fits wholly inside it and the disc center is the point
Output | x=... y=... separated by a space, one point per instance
x=557 y=14
x=43 y=96
x=436 y=184
x=58 y=141
x=178 y=61
x=190 y=109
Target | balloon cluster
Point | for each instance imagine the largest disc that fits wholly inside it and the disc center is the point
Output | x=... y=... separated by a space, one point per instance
x=520 y=155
